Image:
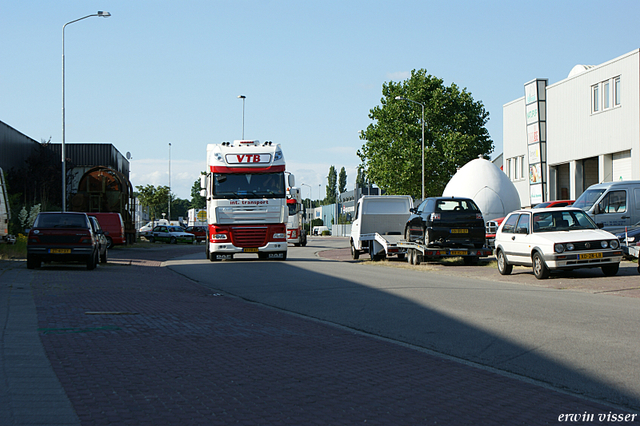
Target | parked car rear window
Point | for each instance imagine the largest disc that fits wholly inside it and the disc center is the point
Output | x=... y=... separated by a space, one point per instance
x=60 y=220
x=455 y=205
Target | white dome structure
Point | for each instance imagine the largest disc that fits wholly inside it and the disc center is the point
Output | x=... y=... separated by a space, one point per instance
x=487 y=185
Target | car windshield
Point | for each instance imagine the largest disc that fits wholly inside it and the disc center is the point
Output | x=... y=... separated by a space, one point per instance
x=61 y=220
x=562 y=221
x=588 y=198
x=248 y=185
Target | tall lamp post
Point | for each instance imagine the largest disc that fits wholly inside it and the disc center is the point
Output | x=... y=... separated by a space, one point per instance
x=169 y=207
x=401 y=98
x=243 y=97
x=64 y=168
x=306 y=215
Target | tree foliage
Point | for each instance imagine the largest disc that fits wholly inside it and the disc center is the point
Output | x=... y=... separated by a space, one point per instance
x=342 y=181
x=455 y=134
x=332 y=186
x=156 y=199
x=197 y=201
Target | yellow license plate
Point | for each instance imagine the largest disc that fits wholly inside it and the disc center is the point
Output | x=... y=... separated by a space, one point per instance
x=250 y=250
x=459 y=231
x=590 y=256
x=60 y=251
x=458 y=252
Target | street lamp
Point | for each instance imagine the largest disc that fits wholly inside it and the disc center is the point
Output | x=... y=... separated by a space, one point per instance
x=169 y=182
x=401 y=98
x=64 y=168
x=243 y=97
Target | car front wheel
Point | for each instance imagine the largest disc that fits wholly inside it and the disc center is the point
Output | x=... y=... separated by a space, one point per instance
x=540 y=269
x=503 y=266
x=611 y=270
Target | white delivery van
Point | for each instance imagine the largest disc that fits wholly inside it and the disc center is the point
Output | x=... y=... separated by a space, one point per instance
x=379 y=224
x=613 y=204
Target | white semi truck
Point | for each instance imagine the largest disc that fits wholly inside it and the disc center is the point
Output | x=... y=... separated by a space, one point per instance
x=296 y=234
x=245 y=190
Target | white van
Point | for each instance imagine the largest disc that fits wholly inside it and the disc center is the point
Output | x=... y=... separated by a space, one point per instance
x=614 y=204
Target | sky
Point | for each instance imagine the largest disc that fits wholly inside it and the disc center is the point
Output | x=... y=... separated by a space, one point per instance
x=161 y=79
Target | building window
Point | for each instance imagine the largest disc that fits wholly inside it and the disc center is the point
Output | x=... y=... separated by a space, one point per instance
x=616 y=91
x=508 y=169
x=605 y=95
x=522 y=176
x=595 y=98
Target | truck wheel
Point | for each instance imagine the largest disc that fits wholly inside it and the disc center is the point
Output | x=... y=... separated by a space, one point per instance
x=540 y=269
x=355 y=254
x=610 y=270
x=212 y=257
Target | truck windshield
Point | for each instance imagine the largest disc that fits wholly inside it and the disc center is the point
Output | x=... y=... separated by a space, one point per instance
x=248 y=185
x=588 y=198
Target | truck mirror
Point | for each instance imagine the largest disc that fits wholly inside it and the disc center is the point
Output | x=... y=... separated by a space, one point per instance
x=203 y=183
x=292 y=181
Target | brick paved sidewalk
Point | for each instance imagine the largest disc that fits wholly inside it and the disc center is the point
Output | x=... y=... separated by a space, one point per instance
x=133 y=343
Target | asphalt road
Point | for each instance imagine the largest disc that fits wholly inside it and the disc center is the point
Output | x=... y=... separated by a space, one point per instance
x=579 y=341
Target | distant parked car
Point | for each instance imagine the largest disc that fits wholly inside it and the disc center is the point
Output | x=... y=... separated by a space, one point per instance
x=556 y=203
x=199 y=231
x=171 y=234
x=562 y=238
x=101 y=239
x=62 y=237
x=446 y=222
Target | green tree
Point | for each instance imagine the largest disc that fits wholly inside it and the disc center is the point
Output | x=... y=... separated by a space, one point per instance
x=197 y=201
x=332 y=186
x=342 y=181
x=155 y=199
x=455 y=134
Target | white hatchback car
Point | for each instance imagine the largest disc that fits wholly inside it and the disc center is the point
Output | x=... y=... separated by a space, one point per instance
x=555 y=239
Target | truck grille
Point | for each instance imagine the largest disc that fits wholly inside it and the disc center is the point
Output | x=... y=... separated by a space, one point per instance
x=249 y=237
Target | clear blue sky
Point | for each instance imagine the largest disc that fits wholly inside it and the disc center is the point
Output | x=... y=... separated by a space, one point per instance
x=160 y=72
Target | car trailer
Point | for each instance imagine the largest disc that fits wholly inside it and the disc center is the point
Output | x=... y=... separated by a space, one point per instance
x=381 y=246
x=632 y=251
x=416 y=253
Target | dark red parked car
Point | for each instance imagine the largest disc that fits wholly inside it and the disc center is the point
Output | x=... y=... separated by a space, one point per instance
x=199 y=231
x=62 y=237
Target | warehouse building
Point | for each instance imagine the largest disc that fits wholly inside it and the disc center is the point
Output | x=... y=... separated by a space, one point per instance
x=561 y=138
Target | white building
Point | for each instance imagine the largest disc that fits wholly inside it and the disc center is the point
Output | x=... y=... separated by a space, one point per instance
x=561 y=138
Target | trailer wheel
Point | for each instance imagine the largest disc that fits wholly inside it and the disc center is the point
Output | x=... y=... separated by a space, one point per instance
x=417 y=257
x=411 y=256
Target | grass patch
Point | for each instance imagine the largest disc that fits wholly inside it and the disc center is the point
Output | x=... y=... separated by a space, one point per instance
x=14 y=251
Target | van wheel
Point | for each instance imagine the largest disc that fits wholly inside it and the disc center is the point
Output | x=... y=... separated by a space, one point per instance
x=540 y=269
x=355 y=254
